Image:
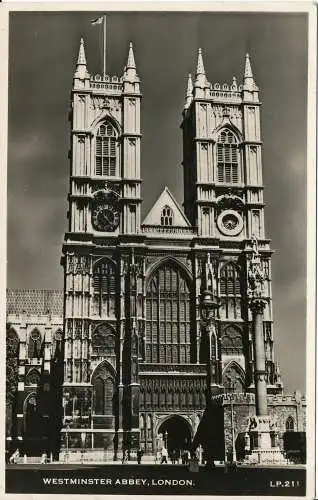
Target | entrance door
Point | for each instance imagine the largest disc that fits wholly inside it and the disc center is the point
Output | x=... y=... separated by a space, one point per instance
x=176 y=434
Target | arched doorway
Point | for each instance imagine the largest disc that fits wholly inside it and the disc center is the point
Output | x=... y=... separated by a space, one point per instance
x=176 y=434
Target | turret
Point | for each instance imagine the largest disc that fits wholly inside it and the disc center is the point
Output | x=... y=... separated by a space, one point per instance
x=81 y=72
x=130 y=77
x=250 y=89
x=200 y=77
x=189 y=92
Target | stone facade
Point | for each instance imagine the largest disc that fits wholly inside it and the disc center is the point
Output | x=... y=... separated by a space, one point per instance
x=142 y=353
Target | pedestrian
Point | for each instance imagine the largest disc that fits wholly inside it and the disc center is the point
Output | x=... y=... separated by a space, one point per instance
x=164 y=456
x=139 y=456
x=125 y=456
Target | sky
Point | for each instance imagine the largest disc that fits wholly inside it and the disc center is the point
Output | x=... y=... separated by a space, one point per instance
x=43 y=49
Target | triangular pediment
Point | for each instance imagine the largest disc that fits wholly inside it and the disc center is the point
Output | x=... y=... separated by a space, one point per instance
x=166 y=199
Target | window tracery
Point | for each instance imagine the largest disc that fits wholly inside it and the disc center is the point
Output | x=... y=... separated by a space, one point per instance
x=104 y=287
x=227 y=158
x=103 y=340
x=232 y=342
x=230 y=291
x=166 y=216
x=167 y=317
x=233 y=378
x=107 y=151
x=103 y=394
x=290 y=424
x=34 y=345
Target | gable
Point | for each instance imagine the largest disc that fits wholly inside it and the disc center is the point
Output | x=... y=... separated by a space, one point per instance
x=166 y=199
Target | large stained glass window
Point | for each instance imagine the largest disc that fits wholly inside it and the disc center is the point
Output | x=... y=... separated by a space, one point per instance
x=168 y=317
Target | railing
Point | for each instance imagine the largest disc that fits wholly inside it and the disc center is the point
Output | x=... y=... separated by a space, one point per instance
x=173 y=368
x=226 y=94
x=114 y=87
x=167 y=229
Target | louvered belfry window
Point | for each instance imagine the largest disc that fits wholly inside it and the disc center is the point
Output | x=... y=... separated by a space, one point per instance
x=104 y=285
x=106 y=151
x=227 y=158
x=168 y=317
x=230 y=291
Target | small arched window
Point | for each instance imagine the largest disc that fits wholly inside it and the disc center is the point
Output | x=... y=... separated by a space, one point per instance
x=34 y=347
x=227 y=158
x=290 y=424
x=106 y=159
x=230 y=291
x=104 y=283
x=166 y=216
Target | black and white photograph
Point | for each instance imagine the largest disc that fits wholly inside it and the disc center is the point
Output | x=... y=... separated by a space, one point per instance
x=159 y=291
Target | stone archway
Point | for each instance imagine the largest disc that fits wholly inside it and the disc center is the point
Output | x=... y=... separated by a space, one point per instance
x=176 y=433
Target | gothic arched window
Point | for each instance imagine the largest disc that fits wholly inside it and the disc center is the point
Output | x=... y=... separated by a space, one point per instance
x=33 y=378
x=166 y=216
x=103 y=395
x=103 y=340
x=107 y=152
x=232 y=342
x=227 y=158
x=290 y=424
x=233 y=378
x=168 y=317
x=230 y=291
x=104 y=285
x=57 y=345
x=34 y=346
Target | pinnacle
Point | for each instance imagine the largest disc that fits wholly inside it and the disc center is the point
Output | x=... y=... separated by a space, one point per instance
x=81 y=60
x=189 y=86
x=200 y=65
x=131 y=59
x=248 y=69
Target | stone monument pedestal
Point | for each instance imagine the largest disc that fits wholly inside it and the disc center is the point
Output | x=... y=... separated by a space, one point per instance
x=262 y=439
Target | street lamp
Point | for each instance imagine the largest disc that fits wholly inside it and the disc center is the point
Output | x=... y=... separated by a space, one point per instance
x=83 y=438
x=209 y=306
x=67 y=447
x=166 y=439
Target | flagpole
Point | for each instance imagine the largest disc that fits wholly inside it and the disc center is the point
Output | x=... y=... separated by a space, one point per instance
x=104 y=46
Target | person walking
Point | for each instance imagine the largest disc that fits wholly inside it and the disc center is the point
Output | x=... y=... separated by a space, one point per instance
x=139 y=456
x=125 y=456
x=164 y=456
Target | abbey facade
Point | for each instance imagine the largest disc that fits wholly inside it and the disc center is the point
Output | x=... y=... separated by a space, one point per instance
x=156 y=317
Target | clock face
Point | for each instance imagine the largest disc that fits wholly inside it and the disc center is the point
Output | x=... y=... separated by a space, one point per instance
x=230 y=223
x=105 y=217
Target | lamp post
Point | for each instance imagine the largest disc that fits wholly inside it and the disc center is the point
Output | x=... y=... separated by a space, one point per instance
x=209 y=306
x=83 y=438
x=166 y=440
x=67 y=446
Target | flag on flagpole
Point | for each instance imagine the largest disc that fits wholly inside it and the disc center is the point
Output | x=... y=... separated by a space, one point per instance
x=98 y=20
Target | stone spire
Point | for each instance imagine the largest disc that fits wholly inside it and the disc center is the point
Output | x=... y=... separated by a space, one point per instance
x=131 y=58
x=130 y=73
x=189 y=93
x=249 y=82
x=200 y=76
x=81 y=65
x=130 y=77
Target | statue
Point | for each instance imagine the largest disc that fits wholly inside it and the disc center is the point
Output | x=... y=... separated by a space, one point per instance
x=255 y=272
x=210 y=276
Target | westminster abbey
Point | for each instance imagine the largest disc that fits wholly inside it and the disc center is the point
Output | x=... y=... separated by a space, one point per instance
x=154 y=322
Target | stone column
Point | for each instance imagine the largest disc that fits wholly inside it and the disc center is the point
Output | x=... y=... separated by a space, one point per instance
x=257 y=306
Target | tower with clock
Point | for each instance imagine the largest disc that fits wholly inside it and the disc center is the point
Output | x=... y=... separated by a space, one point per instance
x=157 y=317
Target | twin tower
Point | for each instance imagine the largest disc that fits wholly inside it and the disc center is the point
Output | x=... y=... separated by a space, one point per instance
x=141 y=353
